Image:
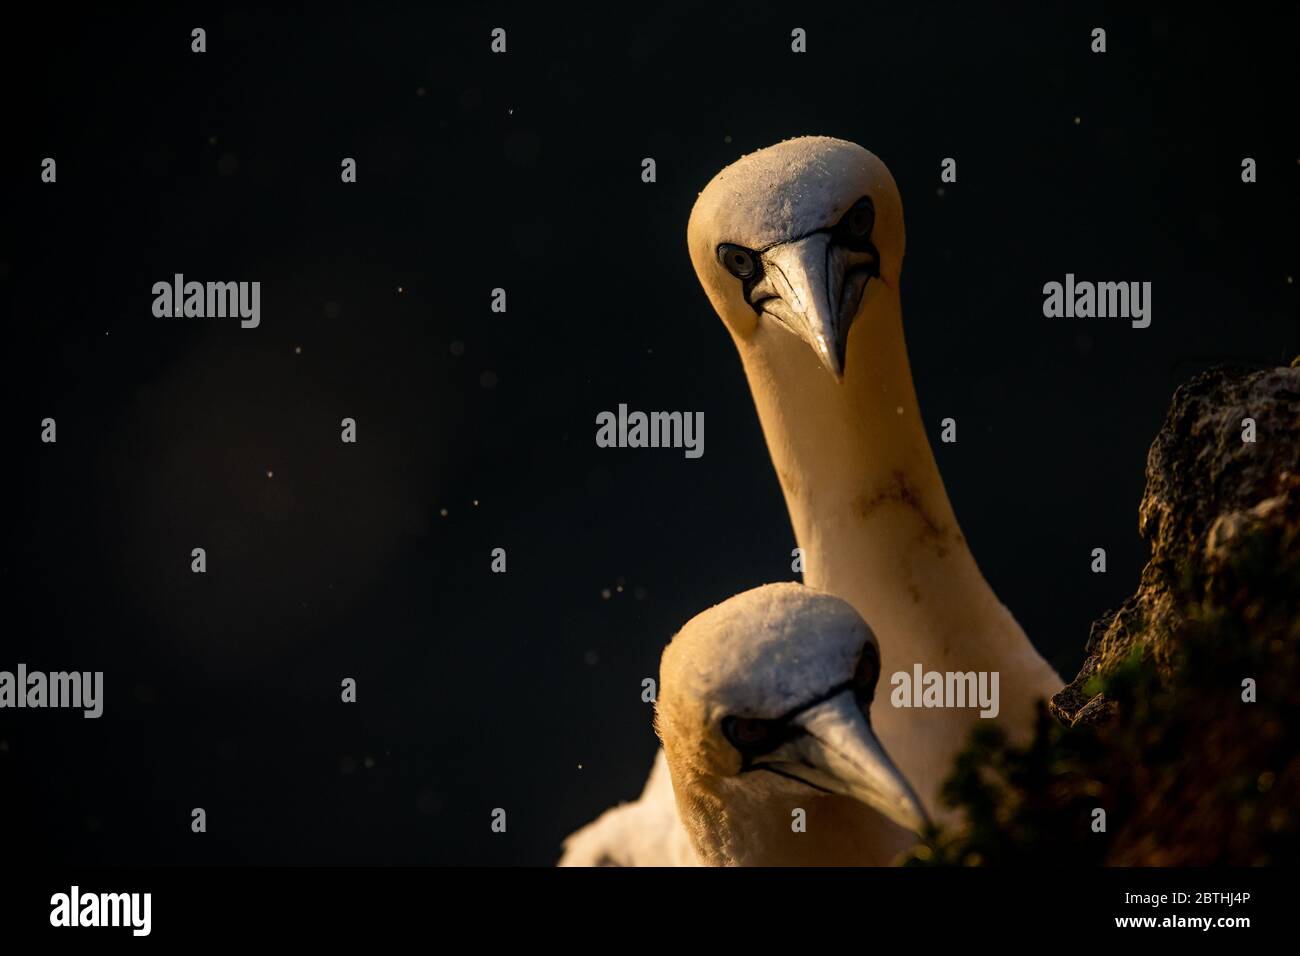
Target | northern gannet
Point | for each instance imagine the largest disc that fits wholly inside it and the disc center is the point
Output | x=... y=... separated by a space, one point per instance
x=799 y=247
x=763 y=712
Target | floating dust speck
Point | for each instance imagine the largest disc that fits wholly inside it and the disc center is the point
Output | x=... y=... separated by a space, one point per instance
x=457 y=348
x=212 y=141
x=899 y=409
x=639 y=593
x=399 y=289
x=443 y=512
x=591 y=658
x=369 y=762
x=475 y=502
x=270 y=473
x=419 y=91
x=726 y=139
x=1289 y=280
x=579 y=766
x=488 y=379
x=297 y=350
x=940 y=192
x=606 y=593
x=1078 y=120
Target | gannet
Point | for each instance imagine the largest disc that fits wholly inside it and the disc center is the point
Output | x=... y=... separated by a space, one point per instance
x=764 y=711
x=799 y=248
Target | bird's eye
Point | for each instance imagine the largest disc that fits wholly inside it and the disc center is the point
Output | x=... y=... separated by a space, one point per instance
x=739 y=261
x=867 y=673
x=860 y=219
x=749 y=734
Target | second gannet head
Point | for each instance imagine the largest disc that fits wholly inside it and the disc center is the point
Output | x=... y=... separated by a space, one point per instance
x=796 y=234
x=765 y=704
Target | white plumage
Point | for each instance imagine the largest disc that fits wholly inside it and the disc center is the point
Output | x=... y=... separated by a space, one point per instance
x=763 y=714
x=645 y=832
x=797 y=246
x=831 y=381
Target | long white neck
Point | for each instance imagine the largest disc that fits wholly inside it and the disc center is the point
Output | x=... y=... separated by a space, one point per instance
x=876 y=528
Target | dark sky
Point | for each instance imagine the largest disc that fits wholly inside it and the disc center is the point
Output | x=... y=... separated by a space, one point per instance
x=522 y=171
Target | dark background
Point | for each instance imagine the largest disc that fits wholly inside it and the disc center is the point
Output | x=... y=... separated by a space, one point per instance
x=522 y=690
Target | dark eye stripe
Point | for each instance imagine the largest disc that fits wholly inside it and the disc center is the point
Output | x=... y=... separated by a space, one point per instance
x=739 y=261
x=751 y=735
x=778 y=729
x=868 y=671
x=855 y=226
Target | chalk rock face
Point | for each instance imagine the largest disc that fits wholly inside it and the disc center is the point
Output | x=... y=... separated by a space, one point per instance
x=1215 y=508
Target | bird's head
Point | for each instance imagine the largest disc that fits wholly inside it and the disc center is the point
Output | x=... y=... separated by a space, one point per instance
x=797 y=234
x=770 y=692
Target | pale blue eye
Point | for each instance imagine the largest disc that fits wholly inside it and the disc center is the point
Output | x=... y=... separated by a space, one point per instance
x=738 y=260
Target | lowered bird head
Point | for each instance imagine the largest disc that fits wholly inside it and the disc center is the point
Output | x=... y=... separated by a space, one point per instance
x=796 y=235
x=766 y=697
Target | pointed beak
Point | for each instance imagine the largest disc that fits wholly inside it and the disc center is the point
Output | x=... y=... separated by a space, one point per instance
x=806 y=279
x=839 y=752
